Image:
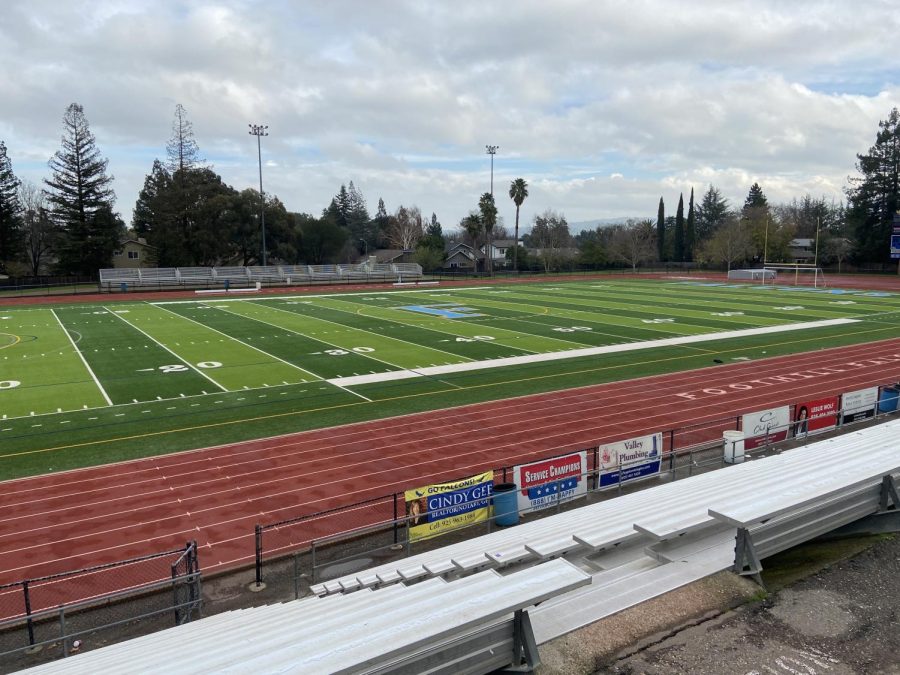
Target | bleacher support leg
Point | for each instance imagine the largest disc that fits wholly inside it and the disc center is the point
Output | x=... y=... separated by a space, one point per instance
x=525 y=656
x=889 y=495
x=746 y=562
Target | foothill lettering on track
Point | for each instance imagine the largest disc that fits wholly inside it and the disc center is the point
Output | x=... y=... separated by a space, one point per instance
x=796 y=376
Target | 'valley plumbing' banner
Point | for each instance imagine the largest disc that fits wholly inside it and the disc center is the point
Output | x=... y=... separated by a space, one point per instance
x=550 y=481
x=435 y=509
x=769 y=424
x=637 y=457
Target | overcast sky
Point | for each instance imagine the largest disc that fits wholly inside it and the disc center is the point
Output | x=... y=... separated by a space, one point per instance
x=602 y=107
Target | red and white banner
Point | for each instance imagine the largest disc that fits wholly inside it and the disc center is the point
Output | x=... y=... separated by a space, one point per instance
x=812 y=417
x=765 y=426
x=547 y=482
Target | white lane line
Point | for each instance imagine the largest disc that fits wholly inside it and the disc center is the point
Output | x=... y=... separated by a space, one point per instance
x=81 y=356
x=589 y=351
x=187 y=363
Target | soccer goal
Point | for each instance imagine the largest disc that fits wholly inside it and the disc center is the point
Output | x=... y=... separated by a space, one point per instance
x=797 y=274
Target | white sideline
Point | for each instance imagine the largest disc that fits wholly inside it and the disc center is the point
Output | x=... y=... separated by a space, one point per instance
x=355 y=380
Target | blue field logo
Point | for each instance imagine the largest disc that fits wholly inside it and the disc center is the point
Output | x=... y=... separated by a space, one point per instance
x=445 y=310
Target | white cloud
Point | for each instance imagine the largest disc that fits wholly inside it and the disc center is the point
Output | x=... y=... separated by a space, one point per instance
x=601 y=106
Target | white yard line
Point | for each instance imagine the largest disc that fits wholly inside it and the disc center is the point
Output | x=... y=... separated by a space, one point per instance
x=310 y=337
x=589 y=351
x=184 y=361
x=316 y=378
x=81 y=356
x=374 y=335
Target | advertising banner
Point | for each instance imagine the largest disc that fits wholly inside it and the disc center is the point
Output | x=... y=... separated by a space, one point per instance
x=435 y=509
x=769 y=424
x=550 y=481
x=811 y=417
x=858 y=405
x=637 y=457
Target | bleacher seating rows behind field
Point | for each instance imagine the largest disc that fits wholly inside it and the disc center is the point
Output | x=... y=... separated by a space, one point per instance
x=236 y=276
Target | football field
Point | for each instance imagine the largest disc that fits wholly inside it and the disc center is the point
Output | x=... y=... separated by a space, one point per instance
x=91 y=372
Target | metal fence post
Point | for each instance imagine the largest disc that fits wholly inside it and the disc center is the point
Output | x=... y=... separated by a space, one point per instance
x=396 y=533
x=672 y=451
x=62 y=630
x=258 y=555
x=29 y=622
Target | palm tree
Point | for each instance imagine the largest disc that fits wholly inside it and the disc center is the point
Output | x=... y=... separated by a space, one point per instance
x=488 y=220
x=472 y=226
x=518 y=191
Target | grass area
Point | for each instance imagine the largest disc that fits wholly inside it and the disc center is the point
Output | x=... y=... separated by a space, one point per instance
x=88 y=384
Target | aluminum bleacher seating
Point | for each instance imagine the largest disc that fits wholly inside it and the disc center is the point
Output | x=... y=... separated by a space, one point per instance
x=476 y=625
x=241 y=277
x=235 y=276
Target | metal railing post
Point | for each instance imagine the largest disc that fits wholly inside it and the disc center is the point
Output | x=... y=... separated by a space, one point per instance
x=258 y=542
x=62 y=630
x=29 y=622
x=396 y=533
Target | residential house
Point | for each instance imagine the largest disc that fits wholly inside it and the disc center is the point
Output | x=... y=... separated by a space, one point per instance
x=133 y=253
x=459 y=257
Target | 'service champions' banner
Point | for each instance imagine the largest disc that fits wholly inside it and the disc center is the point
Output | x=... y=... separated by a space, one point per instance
x=435 y=509
x=637 y=457
x=772 y=424
x=858 y=405
x=550 y=481
x=812 y=417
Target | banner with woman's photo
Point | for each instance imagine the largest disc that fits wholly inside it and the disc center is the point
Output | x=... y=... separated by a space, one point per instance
x=814 y=417
x=441 y=507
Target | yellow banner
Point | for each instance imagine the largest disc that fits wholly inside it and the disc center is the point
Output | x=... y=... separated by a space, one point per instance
x=441 y=507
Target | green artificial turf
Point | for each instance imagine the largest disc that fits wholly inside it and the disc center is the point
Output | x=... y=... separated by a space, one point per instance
x=88 y=384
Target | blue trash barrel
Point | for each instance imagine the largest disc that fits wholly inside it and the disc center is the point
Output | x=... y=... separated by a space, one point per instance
x=123 y=287
x=506 y=510
x=887 y=402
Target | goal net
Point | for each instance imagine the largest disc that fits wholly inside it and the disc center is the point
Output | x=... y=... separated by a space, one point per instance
x=795 y=274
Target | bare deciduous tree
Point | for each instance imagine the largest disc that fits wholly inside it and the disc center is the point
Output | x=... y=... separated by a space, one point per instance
x=633 y=242
x=405 y=229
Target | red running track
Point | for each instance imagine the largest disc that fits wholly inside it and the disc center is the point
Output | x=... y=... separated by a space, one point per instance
x=216 y=495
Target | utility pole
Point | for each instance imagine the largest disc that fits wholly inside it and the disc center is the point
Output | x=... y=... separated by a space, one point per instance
x=260 y=130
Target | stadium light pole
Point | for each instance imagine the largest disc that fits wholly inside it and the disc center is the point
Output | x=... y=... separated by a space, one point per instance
x=492 y=150
x=260 y=130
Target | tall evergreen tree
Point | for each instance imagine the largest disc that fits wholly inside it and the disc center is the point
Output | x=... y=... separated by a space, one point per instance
x=78 y=190
x=756 y=198
x=382 y=223
x=661 y=231
x=689 y=231
x=181 y=150
x=362 y=230
x=712 y=213
x=874 y=197
x=679 y=230
x=518 y=192
x=10 y=212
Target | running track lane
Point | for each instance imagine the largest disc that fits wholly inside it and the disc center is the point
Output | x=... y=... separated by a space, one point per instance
x=216 y=495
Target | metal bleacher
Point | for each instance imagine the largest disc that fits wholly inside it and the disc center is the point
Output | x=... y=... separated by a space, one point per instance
x=489 y=602
x=241 y=277
x=476 y=624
